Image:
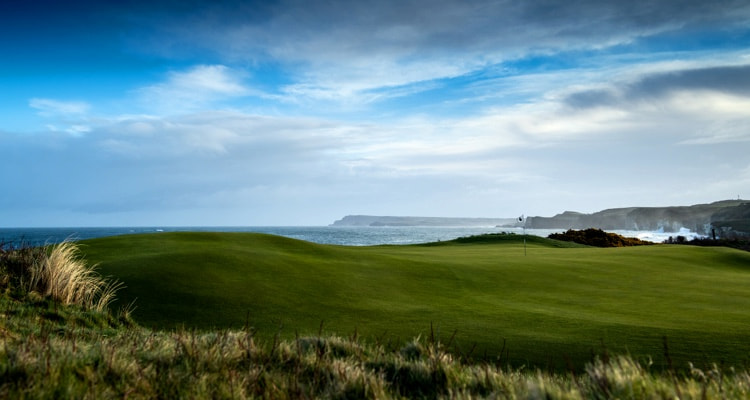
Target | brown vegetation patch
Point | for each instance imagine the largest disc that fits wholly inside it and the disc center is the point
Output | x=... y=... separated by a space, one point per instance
x=598 y=238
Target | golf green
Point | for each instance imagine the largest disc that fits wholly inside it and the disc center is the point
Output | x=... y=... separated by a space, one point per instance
x=548 y=306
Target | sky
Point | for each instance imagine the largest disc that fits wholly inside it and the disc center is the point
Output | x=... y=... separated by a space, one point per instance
x=250 y=113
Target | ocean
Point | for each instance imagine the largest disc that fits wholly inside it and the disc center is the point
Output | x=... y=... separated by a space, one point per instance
x=339 y=235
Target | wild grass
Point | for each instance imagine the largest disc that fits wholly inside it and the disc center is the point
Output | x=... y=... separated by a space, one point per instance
x=58 y=272
x=48 y=350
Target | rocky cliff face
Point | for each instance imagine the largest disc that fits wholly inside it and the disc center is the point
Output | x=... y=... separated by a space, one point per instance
x=727 y=218
x=732 y=221
x=700 y=218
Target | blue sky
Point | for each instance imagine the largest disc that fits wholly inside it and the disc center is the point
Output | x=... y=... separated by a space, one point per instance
x=299 y=112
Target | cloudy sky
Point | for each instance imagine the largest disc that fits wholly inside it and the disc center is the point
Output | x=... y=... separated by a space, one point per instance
x=300 y=112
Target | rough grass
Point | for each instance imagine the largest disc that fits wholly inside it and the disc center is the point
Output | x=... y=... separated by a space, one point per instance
x=552 y=308
x=65 y=276
x=49 y=350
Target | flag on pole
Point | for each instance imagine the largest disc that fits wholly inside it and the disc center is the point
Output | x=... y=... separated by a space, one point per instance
x=521 y=219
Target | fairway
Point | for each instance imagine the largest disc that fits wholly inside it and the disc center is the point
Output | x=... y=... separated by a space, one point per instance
x=557 y=304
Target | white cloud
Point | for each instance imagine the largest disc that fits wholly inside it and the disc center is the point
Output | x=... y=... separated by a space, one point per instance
x=71 y=114
x=215 y=133
x=216 y=79
x=78 y=130
x=337 y=49
x=473 y=144
x=371 y=79
x=195 y=88
x=212 y=162
x=58 y=108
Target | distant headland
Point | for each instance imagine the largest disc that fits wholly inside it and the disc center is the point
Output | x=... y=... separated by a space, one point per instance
x=724 y=218
x=371 y=220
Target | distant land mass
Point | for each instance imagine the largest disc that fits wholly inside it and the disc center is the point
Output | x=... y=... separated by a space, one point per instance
x=725 y=218
x=371 y=220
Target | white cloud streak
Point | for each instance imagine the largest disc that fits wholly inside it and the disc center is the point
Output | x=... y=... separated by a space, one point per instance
x=59 y=108
x=199 y=87
x=72 y=114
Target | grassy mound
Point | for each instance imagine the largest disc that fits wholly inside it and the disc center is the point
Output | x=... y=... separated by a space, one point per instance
x=507 y=238
x=553 y=307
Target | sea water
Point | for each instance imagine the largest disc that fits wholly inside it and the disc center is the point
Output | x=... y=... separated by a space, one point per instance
x=339 y=235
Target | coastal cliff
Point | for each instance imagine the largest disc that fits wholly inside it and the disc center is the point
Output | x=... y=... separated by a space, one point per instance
x=724 y=216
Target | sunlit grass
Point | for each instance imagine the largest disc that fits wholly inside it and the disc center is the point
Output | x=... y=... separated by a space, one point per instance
x=58 y=272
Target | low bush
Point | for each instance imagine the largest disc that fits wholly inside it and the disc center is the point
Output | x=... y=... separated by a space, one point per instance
x=597 y=238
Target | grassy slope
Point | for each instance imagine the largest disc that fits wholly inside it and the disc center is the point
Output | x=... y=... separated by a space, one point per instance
x=553 y=304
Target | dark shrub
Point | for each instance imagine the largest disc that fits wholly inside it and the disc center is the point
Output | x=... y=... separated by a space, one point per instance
x=597 y=238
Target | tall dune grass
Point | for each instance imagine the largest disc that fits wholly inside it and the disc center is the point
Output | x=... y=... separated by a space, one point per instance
x=64 y=275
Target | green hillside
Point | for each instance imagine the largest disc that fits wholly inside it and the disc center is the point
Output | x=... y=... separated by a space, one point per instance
x=554 y=305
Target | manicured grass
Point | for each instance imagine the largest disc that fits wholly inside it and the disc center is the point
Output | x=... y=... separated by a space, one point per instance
x=554 y=306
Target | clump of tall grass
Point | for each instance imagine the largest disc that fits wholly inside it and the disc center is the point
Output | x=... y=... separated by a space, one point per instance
x=58 y=272
x=65 y=276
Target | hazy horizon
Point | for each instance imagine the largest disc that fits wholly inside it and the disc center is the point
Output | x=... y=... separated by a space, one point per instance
x=331 y=223
x=291 y=113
